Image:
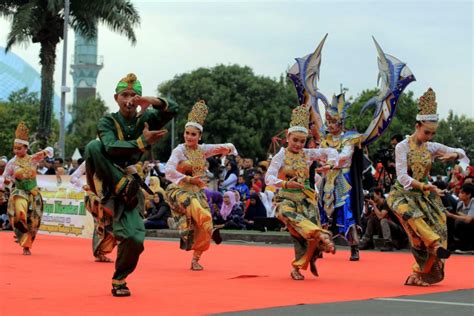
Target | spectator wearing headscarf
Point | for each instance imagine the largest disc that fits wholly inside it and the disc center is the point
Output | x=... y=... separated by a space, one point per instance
x=155 y=185
x=231 y=212
x=158 y=213
x=214 y=200
x=230 y=179
x=255 y=209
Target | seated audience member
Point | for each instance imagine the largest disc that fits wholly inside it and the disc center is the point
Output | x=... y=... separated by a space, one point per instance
x=49 y=164
x=242 y=188
x=381 y=218
x=214 y=200
x=464 y=219
x=267 y=197
x=158 y=213
x=255 y=209
x=239 y=201
x=248 y=171
x=231 y=174
x=41 y=169
x=440 y=183
x=4 y=219
x=231 y=212
x=257 y=184
x=155 y=185
x=457 y=179
x=469 y=180
x=450 y=202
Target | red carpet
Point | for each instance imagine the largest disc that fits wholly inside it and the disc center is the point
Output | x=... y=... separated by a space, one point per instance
x=61 y=278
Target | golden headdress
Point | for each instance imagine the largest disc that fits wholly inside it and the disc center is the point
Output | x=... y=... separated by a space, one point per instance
x=427 y=107
x=22 y=134
x=198 y=114
x=299 y=120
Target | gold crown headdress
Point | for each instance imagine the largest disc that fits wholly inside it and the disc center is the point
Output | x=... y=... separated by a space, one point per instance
x=427 y=107
x=22 y=134
x=197 y=116
x=299 y=120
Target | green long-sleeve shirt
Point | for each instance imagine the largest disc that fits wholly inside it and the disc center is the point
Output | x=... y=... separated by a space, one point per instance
x=123 y=140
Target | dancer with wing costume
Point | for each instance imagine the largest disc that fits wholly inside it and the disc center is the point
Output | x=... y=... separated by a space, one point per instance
x=341 y=189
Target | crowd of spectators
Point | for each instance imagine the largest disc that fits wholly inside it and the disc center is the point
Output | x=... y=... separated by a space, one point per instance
x=240 y=200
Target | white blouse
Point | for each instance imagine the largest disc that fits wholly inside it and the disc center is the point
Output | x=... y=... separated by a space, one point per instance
x=320 y=154
x=77 y=174
x=11 y=166
x=179 y=154
x=436 y=150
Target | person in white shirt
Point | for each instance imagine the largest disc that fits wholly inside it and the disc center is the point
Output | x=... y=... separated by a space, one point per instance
x=186 y=169
x=416 y=202
x=296 y=200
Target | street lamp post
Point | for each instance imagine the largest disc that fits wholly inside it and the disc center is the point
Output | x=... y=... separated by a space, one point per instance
x=64 y=88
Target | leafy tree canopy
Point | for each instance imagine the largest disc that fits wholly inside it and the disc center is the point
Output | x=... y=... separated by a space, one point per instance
x=244 y=109
x=403 y=122
x=83 y=127
x=22 y=105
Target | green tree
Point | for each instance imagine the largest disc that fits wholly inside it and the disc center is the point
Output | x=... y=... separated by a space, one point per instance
x=83 y=128
x=455 y=131
x=40 y=21
x=244 y=109
x=403 y=122
x=21 y=106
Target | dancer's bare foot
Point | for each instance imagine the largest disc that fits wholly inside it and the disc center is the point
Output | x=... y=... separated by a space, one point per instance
x=415 y=280
x=26 y=251
x=120 y=290
x=195 y=266
x=296 y=275
x=102 y=258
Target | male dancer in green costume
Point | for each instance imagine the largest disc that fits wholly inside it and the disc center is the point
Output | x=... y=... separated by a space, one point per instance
x=110 y=168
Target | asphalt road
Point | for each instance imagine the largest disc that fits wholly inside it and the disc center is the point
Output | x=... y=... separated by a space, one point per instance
x=455 y=303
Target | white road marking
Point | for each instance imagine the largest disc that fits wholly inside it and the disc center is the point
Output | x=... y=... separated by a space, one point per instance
x=424 y=301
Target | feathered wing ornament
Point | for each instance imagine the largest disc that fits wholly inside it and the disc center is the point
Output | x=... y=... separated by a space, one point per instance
x=394 y=76
x=305 y=75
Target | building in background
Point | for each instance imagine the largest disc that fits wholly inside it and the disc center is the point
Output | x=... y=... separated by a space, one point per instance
x=16 y=74
x=85 y=68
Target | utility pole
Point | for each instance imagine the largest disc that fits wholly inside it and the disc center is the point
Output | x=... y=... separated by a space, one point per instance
x=64 y=88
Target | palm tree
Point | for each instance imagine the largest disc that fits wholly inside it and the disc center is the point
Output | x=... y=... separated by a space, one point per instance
x=42 y=21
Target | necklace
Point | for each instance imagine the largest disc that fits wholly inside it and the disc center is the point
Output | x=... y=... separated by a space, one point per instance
x=197 y=160
x=297 y=162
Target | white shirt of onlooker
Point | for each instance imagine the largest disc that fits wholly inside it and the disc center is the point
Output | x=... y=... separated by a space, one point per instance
x=466 y=209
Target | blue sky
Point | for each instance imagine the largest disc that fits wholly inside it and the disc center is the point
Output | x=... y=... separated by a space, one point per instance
x=434 y=38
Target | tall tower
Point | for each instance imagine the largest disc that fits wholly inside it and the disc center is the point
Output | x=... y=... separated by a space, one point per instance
x=85 y=68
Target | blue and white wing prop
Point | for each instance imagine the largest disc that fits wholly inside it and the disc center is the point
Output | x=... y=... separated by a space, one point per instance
x=394 y=76
x=305 y=75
